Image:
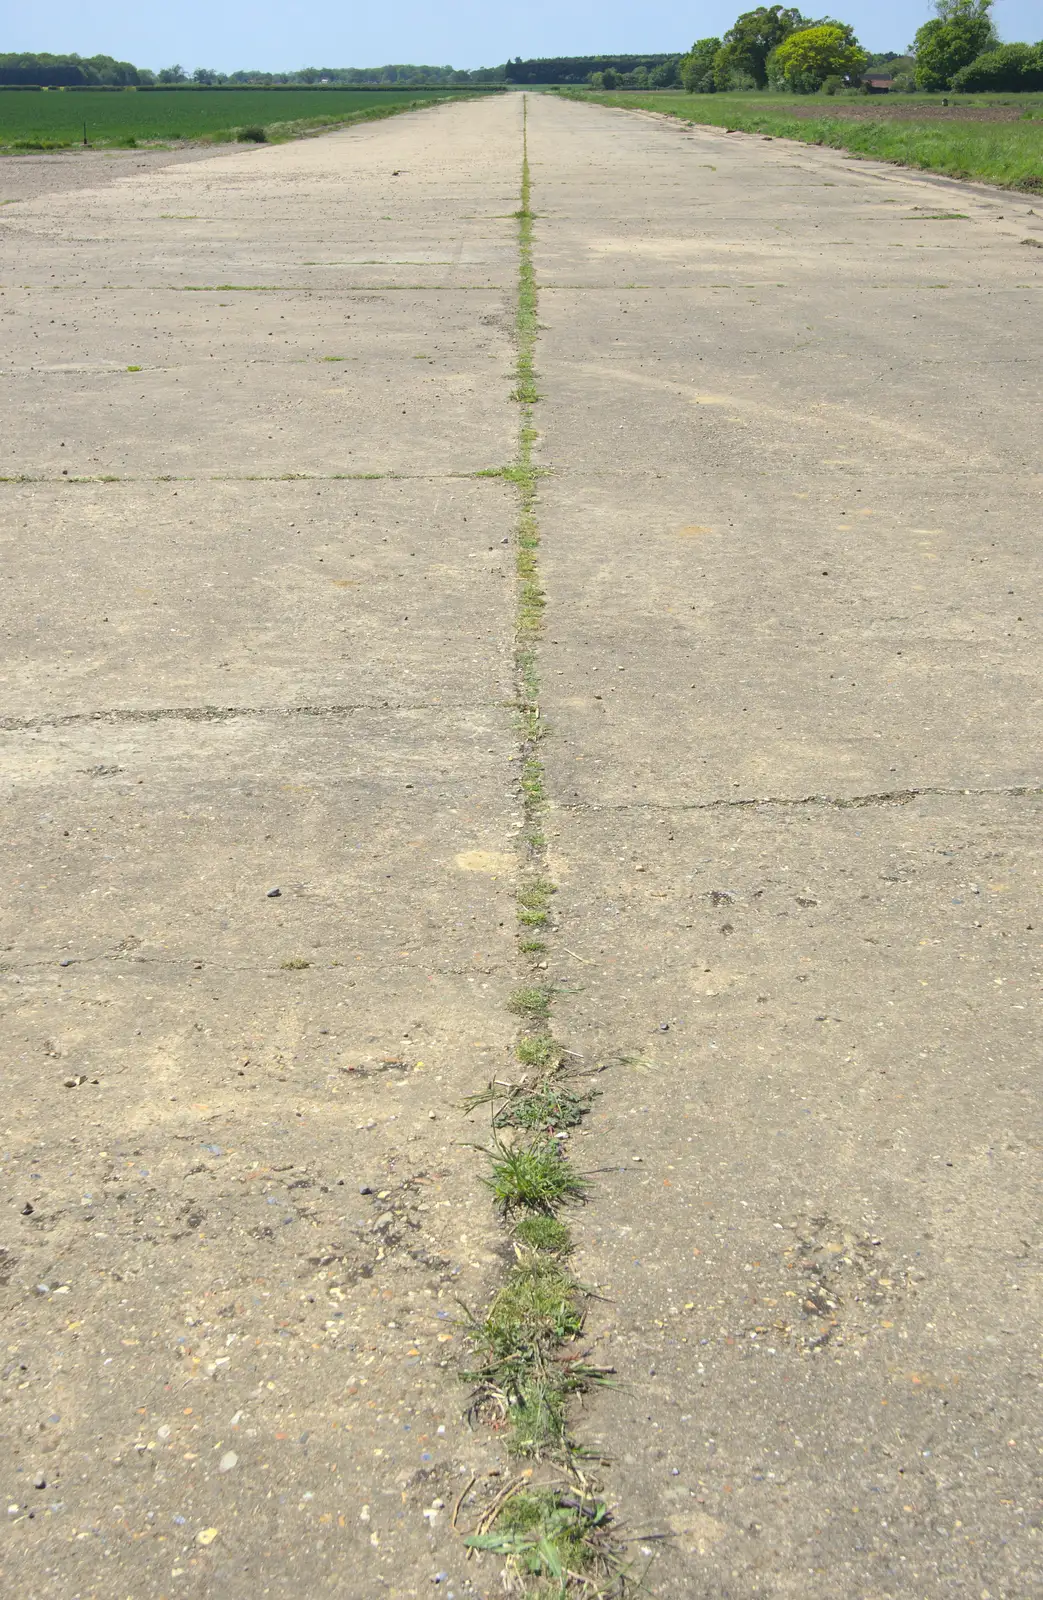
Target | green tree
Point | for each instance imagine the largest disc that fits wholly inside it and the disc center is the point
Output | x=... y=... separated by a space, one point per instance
x=751 y=39
x=954 y=38
x=1018 y=67
x=174 y=74
x=665 y=76
x=697 y=67
x=803 y=61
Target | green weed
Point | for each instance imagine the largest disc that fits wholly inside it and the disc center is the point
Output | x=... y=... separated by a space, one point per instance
x=538 y=1049
x=531 y=1002
x=533 y=1177
x=544 y=1233
x=550 y=1105
x=556 y=1543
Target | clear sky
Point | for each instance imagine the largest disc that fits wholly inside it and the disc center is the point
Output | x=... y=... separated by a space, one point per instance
x=231 y=34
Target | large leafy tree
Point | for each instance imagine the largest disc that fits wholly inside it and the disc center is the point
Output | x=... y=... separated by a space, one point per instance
x=961 y=31
x=752 y=38
x=804 y=60
x=697 y=67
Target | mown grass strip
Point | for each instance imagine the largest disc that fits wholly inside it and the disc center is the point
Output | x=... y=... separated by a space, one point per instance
x=528 y=1357
x=1009 y=154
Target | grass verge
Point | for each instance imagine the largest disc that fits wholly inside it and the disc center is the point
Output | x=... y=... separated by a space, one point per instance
x=1009 y=154
x=528 y=1357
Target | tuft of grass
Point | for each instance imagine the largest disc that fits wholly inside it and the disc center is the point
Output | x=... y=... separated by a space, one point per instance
x=532 y=1177
x=523 y=1376
x=254 y=134
x=533 y=1002
x=133 y=369
x=544 y=1233
x=549 y=1106
x=533 y=899
x=538 y=1049
x=555 y=1543
x=296 y=964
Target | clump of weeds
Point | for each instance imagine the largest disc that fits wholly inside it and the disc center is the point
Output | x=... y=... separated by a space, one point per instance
x=533 y=899
x=544 y=1233
x=555 y=1543
x=533 y=1177
x=548 y=1105
x=538 y=1050
x=532 y=1003
x=525 y=1373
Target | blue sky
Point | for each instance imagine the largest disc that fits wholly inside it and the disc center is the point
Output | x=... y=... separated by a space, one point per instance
x=467 y=33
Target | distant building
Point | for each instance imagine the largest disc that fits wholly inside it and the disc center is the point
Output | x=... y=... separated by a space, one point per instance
x=876 y=82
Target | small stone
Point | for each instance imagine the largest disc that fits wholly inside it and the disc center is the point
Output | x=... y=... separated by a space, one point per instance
x=432 y=1116
x=39 y=1482
x=664 y=1027
x=206 y=1535
x=365 y=1188
x=227 y=1461
x=273 y=894
x=27 y=1210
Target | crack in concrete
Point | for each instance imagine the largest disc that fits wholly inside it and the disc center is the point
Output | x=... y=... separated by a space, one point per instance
x=147 y=714
x=886 y=797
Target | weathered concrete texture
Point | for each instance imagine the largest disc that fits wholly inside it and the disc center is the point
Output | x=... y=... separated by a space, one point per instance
x=239 y=1214
x=790 y=539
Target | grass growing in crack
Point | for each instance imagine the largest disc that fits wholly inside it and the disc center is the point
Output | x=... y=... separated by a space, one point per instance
x=533 y=898
x=524 y=1375
x=550 y=1105
x=530 y=1003
x=526 y=1370
x=544 y=1233
x=533 y=1177
x=556 y=1543
x=538 y=1050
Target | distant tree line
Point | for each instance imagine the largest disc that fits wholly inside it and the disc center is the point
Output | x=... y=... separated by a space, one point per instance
x=631 y=72
x=72 y=71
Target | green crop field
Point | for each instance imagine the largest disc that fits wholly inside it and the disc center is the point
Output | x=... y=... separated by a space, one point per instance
x=54 y=118
x=992 y=138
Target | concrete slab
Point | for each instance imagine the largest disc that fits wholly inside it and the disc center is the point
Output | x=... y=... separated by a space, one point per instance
x=258 y=936
x=791 y=657
x=327 y=595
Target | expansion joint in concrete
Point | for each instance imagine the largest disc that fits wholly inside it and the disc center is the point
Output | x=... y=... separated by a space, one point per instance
x=853 y=802
x=130 y=716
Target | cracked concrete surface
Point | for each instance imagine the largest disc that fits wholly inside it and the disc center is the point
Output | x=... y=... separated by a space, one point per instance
x=791 y=669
